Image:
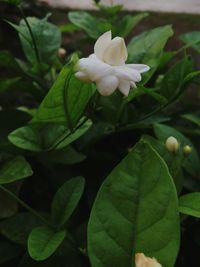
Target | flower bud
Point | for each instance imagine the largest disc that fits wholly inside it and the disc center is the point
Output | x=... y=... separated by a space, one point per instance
x=172 y=144
x=187 y=150
x=62 y=52
x=142 y=261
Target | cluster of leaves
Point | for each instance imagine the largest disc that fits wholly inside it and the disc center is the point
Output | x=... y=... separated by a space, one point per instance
x=87 y=180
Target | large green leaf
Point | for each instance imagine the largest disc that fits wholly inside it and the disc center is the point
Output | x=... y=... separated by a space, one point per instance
x=148 y=47
x=137 y=200
x=192 y=39
x=66 y=200
x=47 y=38
x=190 y=204
x=192 y=162
x=175 y=78
x=66 y=100
x=14 y=169
x=90 y=24
x=43 y=242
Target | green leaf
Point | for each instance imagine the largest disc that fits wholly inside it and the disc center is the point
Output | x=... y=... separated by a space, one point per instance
x=192 y=117
x=45 y=136
x=192 y=39
x=173 y=160
x=192 y=162
x=43 y=242
x=128 y=22
x=66 y=200
x=137 y=200
x=175 y=78
x=47 y=38
x=15 y=169
x=66 y=100
x=147 y=48
x=190 y=204
x=85 y=21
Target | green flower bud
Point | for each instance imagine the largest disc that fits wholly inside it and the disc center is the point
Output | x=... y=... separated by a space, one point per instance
x=187 y=150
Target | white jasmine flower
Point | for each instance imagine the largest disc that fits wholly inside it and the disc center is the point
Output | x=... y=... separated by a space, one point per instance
x=172 y=144
x=142 y=261
x=107 y=68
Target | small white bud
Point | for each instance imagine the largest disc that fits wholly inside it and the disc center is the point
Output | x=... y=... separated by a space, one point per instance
x=187 y=150
x=172 y=144
x=62 y=52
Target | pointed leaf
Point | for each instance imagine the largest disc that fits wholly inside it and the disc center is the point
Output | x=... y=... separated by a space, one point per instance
x=66 y=100
x=137 y=200
x=66 y=200
x=15 y=169
x=43 y=242
x=190 y=204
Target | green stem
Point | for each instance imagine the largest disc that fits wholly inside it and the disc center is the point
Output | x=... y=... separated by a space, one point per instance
x=32 y=35
x=66 y=135
x=120 y=110
x=65 y=97
x=23 y=204
x=187 y=46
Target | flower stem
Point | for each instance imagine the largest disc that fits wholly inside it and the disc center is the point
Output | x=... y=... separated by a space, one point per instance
x=120 y=111
x=23 y=204
x=31 y=34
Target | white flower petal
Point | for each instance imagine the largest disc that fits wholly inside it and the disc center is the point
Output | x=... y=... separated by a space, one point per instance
x=142 y=261
x=102 y=43
x=124 y=87
x=93 y=68
x=82 y=76
x=133 y=84
x=124 y=72
x=139 y=67
x=107 y=85
x=116 y=52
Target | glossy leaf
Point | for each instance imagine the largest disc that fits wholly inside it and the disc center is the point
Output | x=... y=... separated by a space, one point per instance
x=85 y=21
x=43 y=242
x=175 y=78
x=47 y=38
x=15 y=169
x=66 y=200
x=147 y=48
x=47 y=136
x=66 y=100
x=137 y=200
x=192 y=117
x=190 y=204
